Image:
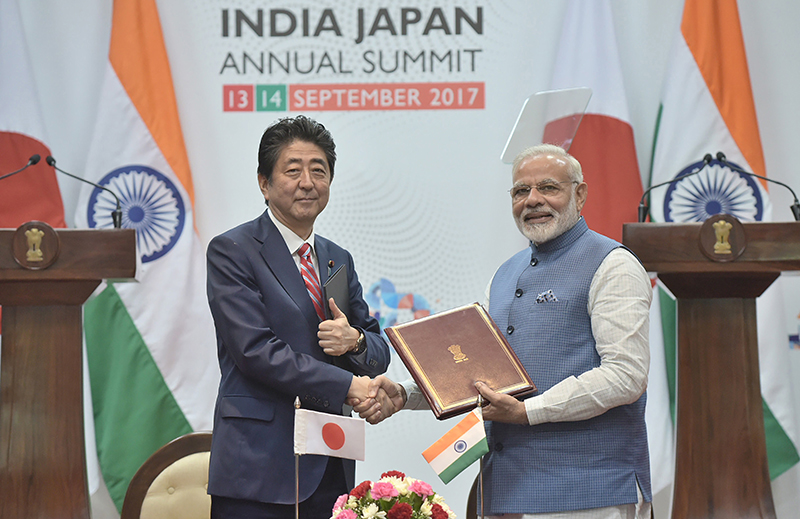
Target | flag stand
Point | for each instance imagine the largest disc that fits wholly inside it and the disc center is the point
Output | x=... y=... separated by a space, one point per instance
x=480 y=462
x=296 y=472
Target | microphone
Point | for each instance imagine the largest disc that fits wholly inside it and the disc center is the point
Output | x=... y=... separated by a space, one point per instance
x=35 y=158
x=795 y=207
x=643 y=208
x=116 y=214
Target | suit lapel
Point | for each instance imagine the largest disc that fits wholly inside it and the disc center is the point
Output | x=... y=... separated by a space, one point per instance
x=323 y=257
x=280 y=262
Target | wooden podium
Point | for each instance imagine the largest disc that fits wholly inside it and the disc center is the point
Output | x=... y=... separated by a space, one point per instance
x=716 y=270
x=45 y=277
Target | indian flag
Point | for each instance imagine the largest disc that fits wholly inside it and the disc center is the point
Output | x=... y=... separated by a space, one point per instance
x=707 y=106
x=151 y=343
x=459 y=448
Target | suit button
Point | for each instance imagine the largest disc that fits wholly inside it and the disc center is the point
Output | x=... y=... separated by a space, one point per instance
x=510 y=329
x=534 y=262
x=518 y=293
x=373 y=362
x=498 y=446
x=326 y=404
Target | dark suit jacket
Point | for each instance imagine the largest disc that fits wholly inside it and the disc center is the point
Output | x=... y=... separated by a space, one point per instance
x=268 y=355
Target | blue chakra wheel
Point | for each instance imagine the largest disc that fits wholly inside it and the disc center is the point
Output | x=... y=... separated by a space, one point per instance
x=151 y=204
x=716 y=189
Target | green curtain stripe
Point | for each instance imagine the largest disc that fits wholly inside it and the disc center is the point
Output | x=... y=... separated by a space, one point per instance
x=468 y=458
x=669 y=329
x=134 y=411
x=781 y=452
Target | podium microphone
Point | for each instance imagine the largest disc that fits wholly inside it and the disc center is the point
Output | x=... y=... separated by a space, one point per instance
x=795 y=207
x=116 y=214
x=643 y=207
x=35 y=158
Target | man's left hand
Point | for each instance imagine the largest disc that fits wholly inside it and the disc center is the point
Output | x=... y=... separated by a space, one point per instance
x=501 y=408
x=336 y=336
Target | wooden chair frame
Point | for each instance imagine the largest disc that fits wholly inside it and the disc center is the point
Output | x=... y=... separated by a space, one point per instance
x=164 y=457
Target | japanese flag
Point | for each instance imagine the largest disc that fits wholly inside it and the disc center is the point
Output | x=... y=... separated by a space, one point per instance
x=329 y=435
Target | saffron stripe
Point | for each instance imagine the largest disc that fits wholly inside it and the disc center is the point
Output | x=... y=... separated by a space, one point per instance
x=451 y=436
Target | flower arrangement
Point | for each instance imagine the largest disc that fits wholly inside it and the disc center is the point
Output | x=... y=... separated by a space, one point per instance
x=394 y=496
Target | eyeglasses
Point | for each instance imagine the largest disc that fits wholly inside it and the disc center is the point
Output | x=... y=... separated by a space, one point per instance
x=548 y=188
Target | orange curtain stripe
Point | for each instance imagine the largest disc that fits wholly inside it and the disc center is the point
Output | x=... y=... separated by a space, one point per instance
x=713 y=33
x=139 y=58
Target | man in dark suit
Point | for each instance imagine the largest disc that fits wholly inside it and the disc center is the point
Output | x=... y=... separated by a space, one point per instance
x=274 y=343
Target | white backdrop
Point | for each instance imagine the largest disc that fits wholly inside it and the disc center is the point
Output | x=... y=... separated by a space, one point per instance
x=419 y=196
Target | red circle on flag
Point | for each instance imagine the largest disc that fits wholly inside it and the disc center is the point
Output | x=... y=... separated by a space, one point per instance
x=333 y=436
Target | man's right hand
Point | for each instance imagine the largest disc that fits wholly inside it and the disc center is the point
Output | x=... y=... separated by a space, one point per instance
x=385 y=398
x=359 y=389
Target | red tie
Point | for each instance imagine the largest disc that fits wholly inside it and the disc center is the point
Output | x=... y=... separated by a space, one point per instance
x=310 y=278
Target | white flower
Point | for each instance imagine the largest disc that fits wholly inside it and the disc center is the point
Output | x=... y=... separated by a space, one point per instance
x=371 y=511
x=399 y=484
x=426 y=508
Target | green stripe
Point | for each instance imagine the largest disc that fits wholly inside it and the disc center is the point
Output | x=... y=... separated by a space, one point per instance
x=781 y=452
x=134 y=411
x=669 y=329
x=469 y=457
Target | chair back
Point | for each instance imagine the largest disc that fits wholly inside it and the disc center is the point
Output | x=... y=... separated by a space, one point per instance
x=173 y=482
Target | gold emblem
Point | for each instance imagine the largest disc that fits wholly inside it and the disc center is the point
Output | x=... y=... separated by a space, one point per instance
x=722 y=230
x=458 y=356
x=35 y=245
x=34 y=236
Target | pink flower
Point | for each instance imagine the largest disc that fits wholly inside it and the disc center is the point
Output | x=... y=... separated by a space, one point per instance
x=421 y=488
x=340 y=502
x=346 y=514
x=383 y=490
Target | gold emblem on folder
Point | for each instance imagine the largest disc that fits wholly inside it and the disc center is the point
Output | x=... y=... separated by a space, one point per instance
x=458 y=355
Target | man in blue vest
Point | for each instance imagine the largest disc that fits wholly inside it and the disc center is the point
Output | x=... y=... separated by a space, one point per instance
x=575 y=308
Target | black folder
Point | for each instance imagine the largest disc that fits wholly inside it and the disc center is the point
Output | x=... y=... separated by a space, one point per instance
x=336 y=287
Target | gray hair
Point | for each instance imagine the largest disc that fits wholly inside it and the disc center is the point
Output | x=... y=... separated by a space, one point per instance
x=574 y=169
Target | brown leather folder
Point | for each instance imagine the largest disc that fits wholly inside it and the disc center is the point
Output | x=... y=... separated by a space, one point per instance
x=448 y=352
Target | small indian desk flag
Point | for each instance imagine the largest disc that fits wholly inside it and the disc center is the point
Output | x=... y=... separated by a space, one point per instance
x=459 y=448
x=328 y=434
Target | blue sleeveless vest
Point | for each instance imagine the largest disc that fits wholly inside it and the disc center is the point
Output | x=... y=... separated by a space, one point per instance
x=566 y=465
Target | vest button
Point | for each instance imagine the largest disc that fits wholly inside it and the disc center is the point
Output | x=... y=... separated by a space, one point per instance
x=510 y=329
x=534 y=262
x=498 y=446
x=518 y=293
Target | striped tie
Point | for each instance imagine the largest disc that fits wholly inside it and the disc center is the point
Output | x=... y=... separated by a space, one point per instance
x=310 y=278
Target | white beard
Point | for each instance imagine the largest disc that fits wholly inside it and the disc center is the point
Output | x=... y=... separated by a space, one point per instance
x=560 y=223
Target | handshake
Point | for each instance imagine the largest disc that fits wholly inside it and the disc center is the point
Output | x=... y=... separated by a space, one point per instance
x=379 y=398
x=376 y=399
